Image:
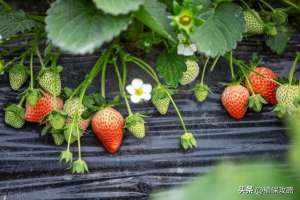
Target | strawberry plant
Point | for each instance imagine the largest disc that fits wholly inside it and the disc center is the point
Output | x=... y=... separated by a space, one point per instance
x=187 y=33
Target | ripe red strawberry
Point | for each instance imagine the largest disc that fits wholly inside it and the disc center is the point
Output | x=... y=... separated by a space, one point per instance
x=235 y=100
x=261 y=83
x=43 y=107
x=108 y=125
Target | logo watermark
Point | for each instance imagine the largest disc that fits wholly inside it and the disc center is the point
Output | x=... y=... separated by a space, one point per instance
x=259 y=190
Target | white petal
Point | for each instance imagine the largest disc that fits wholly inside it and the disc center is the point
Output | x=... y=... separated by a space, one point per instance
x=188 y=51
x=193 y=47
x=180 y=49
x=146 y=96
x=147 y=88
x=137 y=83
x=135 y=99
x=130 y=89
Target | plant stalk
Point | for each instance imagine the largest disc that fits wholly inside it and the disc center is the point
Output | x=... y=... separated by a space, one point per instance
x=204 y=69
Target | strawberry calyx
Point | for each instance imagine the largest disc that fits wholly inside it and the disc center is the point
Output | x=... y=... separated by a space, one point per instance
x=188 y=141
x=256 y=102
x=57 y=119
x=66 y=156
x=32 y=96
x=79 y=166
x=281 y=110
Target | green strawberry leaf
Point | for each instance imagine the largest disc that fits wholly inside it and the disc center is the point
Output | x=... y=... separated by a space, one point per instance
x=278 y=43
x=238 y=181
x=222 y=29
x=46 y=130
x=67 y=92
x=88 y=101
x=82 y=28
x=202 y=3
x=154 y=15
x=170 y=67
x=13 y=22
x=98 y=99
x=118 y=7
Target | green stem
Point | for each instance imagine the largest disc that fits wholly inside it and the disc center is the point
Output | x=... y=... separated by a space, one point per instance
x=31 y=70
x=77 y=90
x=124 y=65
x=267 y=5
x=292 y=4
x=38 y=18
x=11 y=61
x=231 y=66
x=22 y=101
x=78 y=143
x=145 y=70
x=70 y=136
x=144 y=66
x=178 y=112
x=103 y=80
x=204 y=69
x=214 y=63
x=249 y=83
x=104 y=69
x=5 y=5
x=40 y=57
x=293 y=67
x=121 y=87
x=239 y=63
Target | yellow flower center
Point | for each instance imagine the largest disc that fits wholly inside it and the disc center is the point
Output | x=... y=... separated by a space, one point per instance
x=185 y=20
x=139 y=91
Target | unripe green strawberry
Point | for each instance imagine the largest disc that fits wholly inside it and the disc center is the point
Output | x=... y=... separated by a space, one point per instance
x=135 y=124
x=58 y=137
x=286 y=95
x=14 y=116
x=17 y=76
x=72 y=105
x=191 y=73
x=201 y=92
x=50 y=80
x=160 y=99
x=254 y=24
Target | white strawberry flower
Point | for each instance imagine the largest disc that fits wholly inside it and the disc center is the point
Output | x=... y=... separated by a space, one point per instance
x=139 y=91
x=186 y=49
